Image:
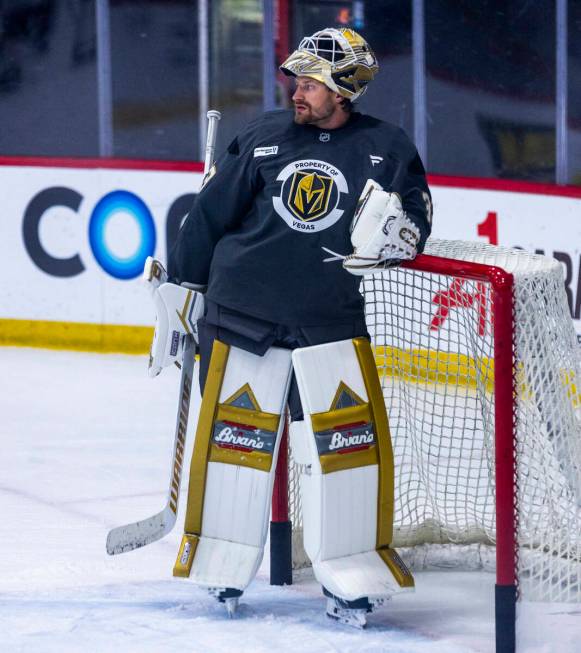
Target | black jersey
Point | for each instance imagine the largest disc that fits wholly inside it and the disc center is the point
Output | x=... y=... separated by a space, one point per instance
x=280 y=194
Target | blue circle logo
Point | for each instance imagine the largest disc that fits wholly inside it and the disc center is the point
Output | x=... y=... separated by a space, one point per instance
x=121 y=201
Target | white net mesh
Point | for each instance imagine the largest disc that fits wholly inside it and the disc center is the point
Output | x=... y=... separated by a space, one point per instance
x=433 y=337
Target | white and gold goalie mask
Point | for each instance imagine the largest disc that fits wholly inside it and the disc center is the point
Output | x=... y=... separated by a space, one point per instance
x=339 y=58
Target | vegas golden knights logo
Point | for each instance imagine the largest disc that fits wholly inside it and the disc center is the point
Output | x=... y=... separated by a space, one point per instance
x=309 y=195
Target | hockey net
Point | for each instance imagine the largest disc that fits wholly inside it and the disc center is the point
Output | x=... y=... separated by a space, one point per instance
x=484 y=406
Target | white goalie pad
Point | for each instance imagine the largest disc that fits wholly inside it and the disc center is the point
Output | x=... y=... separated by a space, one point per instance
x=233 y=466
x=381 y=233
x=347 y=485
x=177 y=310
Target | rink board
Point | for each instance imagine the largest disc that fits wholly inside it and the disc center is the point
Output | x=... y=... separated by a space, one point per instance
x=78 y=232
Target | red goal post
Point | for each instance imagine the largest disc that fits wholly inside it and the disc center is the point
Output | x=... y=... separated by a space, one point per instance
x=480 y=370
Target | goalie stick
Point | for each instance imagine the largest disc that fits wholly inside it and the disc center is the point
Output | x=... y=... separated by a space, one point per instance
x=141 y=533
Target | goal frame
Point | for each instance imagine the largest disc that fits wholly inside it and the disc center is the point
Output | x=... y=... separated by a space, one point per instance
x=502 y=303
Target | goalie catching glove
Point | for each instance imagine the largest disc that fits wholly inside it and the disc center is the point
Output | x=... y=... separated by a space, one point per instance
x=381 y=233
x=177 y=310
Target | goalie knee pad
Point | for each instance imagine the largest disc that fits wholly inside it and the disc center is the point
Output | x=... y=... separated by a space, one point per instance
x=348 y=481
x=233 y=466
x=177 y=309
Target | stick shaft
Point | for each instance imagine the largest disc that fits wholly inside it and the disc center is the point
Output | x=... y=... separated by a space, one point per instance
x=144 y=532
x=213 y=118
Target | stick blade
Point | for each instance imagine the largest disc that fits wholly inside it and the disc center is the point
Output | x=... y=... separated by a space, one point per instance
x=133 y=536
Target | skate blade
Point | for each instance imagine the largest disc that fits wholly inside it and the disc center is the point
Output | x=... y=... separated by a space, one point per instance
x=231 y=607
x=348 y=617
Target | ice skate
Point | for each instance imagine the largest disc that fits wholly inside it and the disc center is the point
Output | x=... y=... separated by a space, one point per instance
x=354 y=617
x=350 y=613
x=229 y=596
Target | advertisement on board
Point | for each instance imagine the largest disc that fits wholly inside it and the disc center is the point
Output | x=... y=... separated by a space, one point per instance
x=76 y=236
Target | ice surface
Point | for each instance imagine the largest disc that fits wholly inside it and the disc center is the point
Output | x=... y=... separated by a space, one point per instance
x=85 y=444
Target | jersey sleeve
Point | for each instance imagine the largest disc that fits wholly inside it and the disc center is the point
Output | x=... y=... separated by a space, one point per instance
x=411 y=184
x=224 y=200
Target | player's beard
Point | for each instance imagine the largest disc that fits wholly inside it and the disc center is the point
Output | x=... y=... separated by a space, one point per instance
x=312 y=116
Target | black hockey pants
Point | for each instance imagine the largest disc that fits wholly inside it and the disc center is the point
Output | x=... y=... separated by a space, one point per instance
x=257 y=336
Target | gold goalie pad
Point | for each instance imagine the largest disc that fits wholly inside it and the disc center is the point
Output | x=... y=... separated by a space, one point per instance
x=233 y=465
x=347 y=491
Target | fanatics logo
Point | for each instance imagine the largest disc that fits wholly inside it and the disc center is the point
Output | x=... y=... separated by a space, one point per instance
x=375 y=160
x=265 y=151
x=324 y=137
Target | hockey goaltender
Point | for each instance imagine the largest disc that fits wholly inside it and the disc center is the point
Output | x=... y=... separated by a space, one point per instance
x=270 y=258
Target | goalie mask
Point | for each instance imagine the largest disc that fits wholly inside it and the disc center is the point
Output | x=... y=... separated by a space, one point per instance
x=339 y=58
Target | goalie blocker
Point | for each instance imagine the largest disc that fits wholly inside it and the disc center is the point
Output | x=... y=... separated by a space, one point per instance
x=347 y=490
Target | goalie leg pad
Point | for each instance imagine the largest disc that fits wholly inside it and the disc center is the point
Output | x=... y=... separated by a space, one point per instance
x=347 y=487
x=233 y=466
